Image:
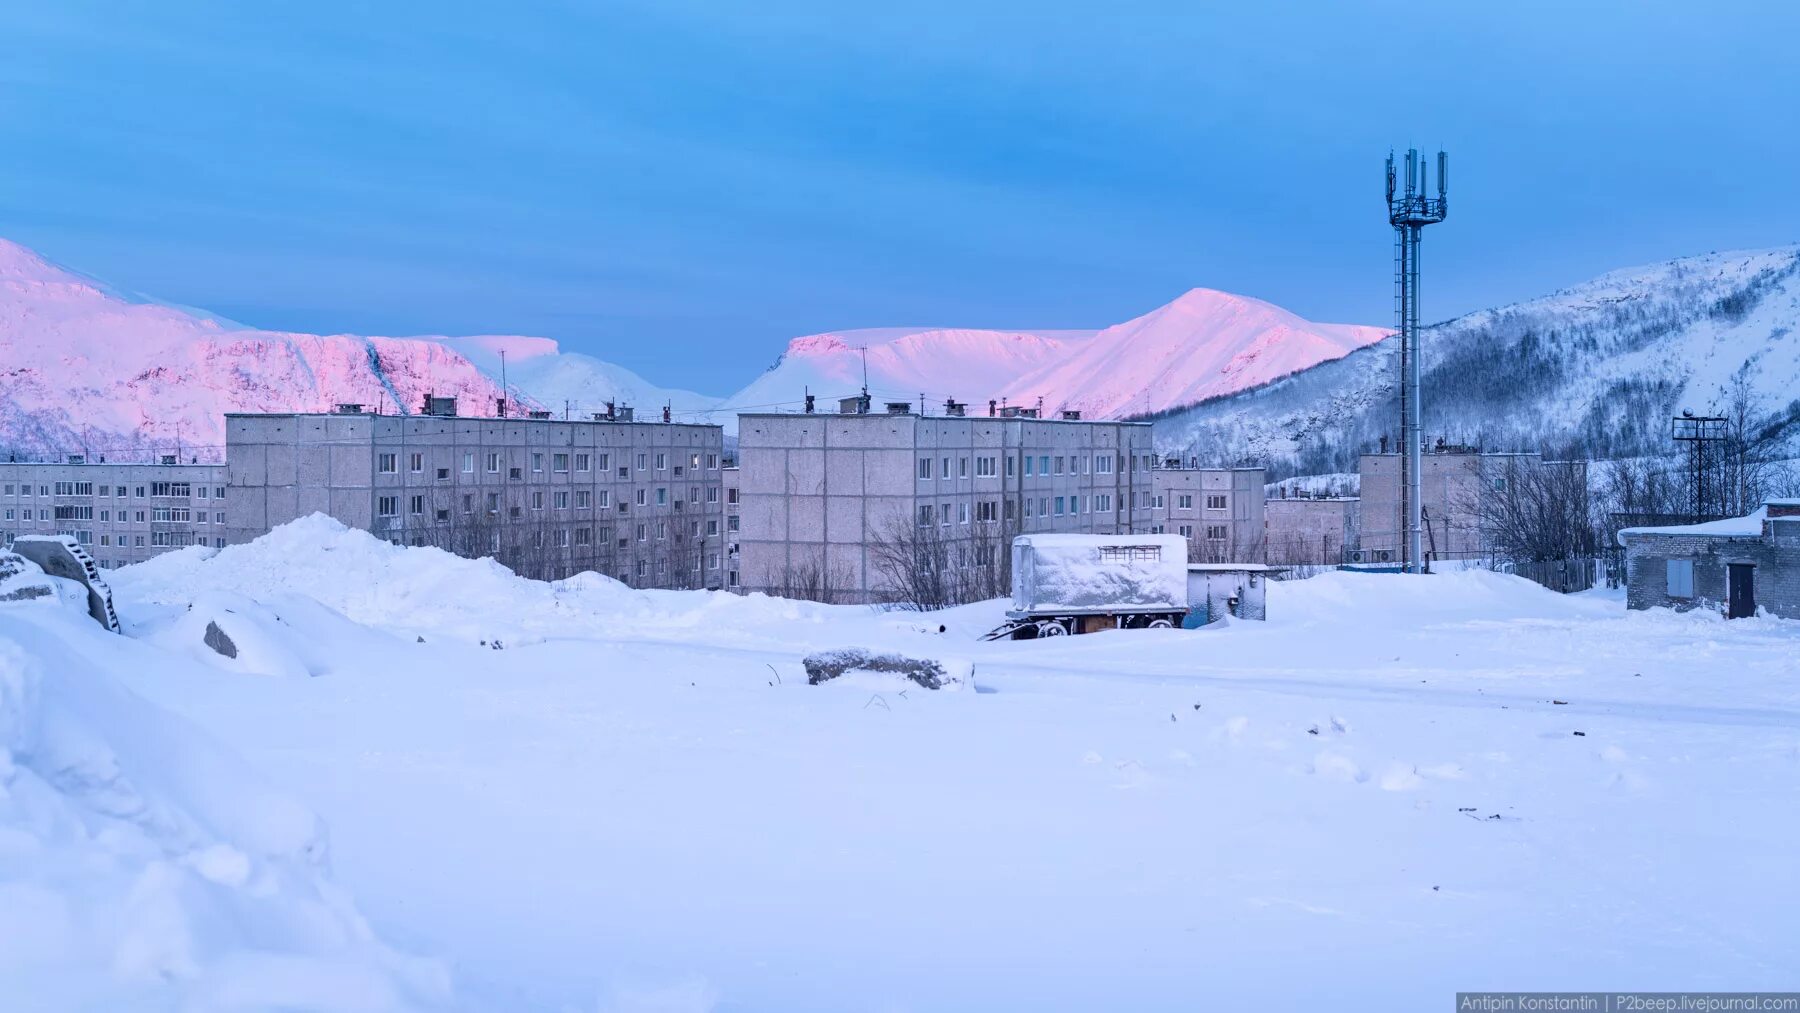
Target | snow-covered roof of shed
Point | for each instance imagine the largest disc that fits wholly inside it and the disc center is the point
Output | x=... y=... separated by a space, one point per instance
x=1747 y=526
x=1069 y=541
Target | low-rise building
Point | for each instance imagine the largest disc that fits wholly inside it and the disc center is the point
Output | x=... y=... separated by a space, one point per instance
x=122 y=513
x=833 y=506
x=1737 y=566
x=640 y=501
x=1311 y=530
x=1218 y=510
x=1460 y=486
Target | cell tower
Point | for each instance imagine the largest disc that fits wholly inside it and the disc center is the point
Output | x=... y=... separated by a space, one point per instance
x=1409 y=211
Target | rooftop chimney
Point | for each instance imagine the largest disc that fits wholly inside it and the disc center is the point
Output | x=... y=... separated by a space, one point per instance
x=537 y=413
x=1071 y=415
x=625 y=413
x=77 y=459
x=168 y=458
x=956 y=408
x=899 y=407
x=348 y=408
x=444 y=406
x=857 y=405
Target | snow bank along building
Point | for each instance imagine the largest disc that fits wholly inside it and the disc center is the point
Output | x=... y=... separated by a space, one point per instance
x=825 y=498
x=1735 y=566
x=640 y=501
x=1218 y=510
x=121 y=513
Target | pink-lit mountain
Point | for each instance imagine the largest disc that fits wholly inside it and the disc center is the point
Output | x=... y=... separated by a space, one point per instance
x=1202 y=345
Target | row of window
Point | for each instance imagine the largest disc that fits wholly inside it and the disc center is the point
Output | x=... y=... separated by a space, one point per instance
x=988 y=511
x=560 y=499
x=161 y=514
x=560 y=462
x=1214 y=532
x=1185 y=501
x=172 y=490
x=157 y=539
x=952 y=468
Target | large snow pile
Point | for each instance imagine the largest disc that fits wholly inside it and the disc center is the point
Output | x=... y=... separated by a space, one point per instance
x=144 y=866
x=426 y=591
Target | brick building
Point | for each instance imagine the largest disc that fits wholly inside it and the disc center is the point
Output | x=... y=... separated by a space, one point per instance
x=1737 y=566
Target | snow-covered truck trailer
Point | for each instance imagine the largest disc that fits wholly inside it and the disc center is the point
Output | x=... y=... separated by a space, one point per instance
x=1065 y=584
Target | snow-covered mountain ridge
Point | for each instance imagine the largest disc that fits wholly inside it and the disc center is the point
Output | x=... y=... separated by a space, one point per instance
x=1597 y=369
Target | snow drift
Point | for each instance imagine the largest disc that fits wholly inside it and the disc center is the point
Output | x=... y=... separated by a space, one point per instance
x=143 y=866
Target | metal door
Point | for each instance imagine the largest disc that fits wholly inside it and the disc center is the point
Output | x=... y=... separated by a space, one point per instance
x=1741 y=587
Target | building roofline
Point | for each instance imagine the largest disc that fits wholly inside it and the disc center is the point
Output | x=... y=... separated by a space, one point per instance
x=417 y=416
x=938 y=418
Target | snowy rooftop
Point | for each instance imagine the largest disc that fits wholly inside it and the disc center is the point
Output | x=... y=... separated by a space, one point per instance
x=1747 y=526
x=1233 y=568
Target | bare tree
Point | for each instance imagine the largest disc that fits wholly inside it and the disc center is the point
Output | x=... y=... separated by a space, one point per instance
x=1531 y=510
x=925 y=564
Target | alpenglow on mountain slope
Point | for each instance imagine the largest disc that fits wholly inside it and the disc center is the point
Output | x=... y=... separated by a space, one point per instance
x=1203 y=344
x=85 y=368
x=1598 y=368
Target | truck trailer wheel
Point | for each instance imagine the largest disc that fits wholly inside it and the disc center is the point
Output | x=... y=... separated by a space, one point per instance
x=1052 y=628
x=1160 y=624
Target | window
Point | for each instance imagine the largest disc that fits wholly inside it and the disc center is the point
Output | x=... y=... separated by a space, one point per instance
x=468 y=503
x=731 y=578
x=1009 y=510
x=643 y=497
x=1029 y=460
x=1127 y=553
x=537 y=461
x=1158 y=502
x=1681 y=578
x=945 y=515
x=582 y=463
x=712 y=494
x=1059 y=506
x=712 y=528
x=493 y=463
x=417 y=506
x=178 y=490
x=924 y=469
x=605 y=462
x=962 y=467
x=662 y=530
x=987 y=511
x=1009 y=467
x=559 y=462
x=493 y=502
x=731 y=495
x=924 y=515
x=945 y=473
x=693 y=494
x=1216 y=532
x=1185 y=501
x=562 y=538
x=662 y=462
x=537 y=500
x=387 y=464
x=962 y=513
x=712 y=462
x=199 y=517
x=219 y=517
x=1103 y=501
x=1215 y=502
x=177 y=515
x=584 y=536
x=641 y=459
x=387 y=506
x=76 y=513
x=642 y=532
x=1059 y=466
x=561 y=500
x=1187 y=531
x=662 y=496
x=443 y=515
x=583 y=499
x=732 y=523
x=416 y=463
x=694 y=462
x=468 y=466
x=605 y=498
x=443 y=474
x=984 y=467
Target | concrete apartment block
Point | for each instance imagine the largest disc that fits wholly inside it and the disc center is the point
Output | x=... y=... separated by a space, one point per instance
x=121 y=513
x=1218 y=510
x=1311 y=530
x=1458 y=485
x=640 y=501
x=818 y=491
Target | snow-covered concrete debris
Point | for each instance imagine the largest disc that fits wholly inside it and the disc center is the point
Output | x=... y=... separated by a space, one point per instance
x=931 y=673
x=143 y=866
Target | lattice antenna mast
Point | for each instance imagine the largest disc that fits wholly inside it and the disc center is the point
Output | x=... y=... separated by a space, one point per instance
x=1409 y=211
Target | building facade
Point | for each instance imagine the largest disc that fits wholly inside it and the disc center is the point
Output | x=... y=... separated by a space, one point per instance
x=121 y=513
x=639 y=501
x=1218 y=510
x=1739 y=567
x=828 y=500
x=1306 y=530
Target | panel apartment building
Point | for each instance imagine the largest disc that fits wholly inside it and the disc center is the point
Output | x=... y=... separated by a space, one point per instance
x=1458 y=486
x=824 y=499
x=1218 y=510
x=122 y=513
x=639 y=501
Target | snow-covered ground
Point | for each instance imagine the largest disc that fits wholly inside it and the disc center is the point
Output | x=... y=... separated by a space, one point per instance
x=1395 y=788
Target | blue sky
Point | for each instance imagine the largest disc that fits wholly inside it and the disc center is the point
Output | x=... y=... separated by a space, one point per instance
x=681 y=187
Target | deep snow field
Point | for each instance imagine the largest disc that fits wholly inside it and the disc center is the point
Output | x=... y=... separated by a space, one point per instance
x=1376 y=798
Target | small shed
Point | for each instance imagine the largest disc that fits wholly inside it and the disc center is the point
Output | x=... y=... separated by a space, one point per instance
x=1217 y=590
x=1736 y=566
